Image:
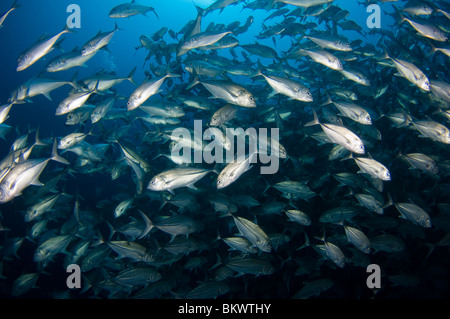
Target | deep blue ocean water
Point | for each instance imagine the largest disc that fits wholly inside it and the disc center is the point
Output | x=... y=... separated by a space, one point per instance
x=47 y=17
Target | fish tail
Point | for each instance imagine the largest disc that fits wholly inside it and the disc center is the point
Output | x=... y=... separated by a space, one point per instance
x=130 y=76
x=315 y=121
x=200 y=11
x=148 y=225
x=37 y=140
x=55 y=157
x=15 y=5
x=193 y=83
x=390 y=202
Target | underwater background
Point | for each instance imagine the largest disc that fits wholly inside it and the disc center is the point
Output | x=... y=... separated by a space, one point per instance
x=198 y=263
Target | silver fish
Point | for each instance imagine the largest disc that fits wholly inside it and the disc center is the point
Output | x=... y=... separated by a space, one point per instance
x=290 y=88
x=340 y=135
x=145 y=91
x=5 y=15
x=358 y=239
x=176 y=178
x=233 y=171
x=414 y=213
x=253 y=233
x=228 y=91
x=37 y=51
x=98 y=42
x=127 y=10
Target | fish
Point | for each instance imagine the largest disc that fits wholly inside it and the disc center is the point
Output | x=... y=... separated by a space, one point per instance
x=208 y=290
x=252 y=266
x=223 y=115
x=340 y=135
x=51 y=247
x=414 y=213
x=176 y=178
x=36 y=86
x=74 y=101
x=98 y=42
x=422 y=162
x=426 y=30
x=127 y=10
x=178 y=225
x=305 y=3
x=105 y=81
x=320 y=56
x=371 y=203
x=356 y=76
x=233 y=171
x=353 y=111
x=432 y=129
x=143 y=222
x=145 y=91
x=253 y=233
x=140 y=276
x=20 y=176
x=240 y=244
x=334 y=253
x=331 y=43
x=38 y=50
x=43 y=206
x=123 y=207
x=131 y=250
x=298 y=217
x=373 y=168
x=260 y=50
x=4 y=111
x=71 y=140
x=412 y=73
x=24 y=283
x=230 y=92
x=14 y=6
x=200 y=40
x=358 y=239
x=290 y=88
x=68 y=61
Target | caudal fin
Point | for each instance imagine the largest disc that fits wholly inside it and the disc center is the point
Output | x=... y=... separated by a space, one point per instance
x=315 y=121
x=56 y=157
x=148 y=225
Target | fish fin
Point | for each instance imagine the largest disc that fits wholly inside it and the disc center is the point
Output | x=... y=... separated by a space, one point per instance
x=389 y=202
x=350 y=156
x=193 y=83
x=36 y=182
x=192 y=186
x=154 y=11
x=148 y=225
x=37 y=140
x=56 y=157
x=313 y=122
x=47 y=95
x=15 y=5
x=272 y=94
x=130 y=76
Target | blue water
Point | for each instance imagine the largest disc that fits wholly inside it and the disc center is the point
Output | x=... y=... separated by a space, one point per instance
x=47 y=17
